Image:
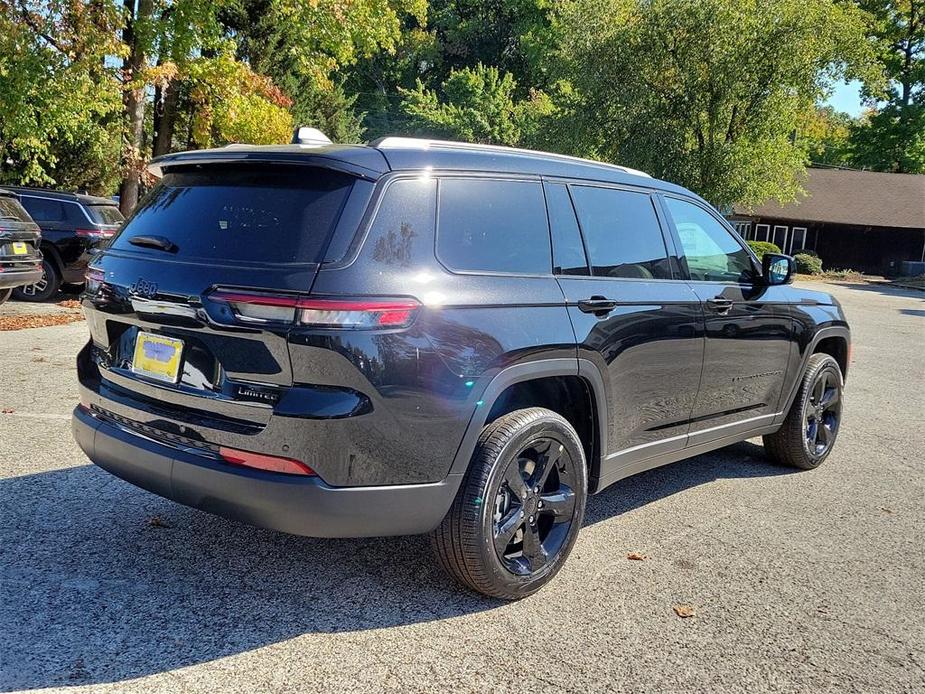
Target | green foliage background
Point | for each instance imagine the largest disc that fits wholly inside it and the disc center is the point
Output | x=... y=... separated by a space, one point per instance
x=722 y=96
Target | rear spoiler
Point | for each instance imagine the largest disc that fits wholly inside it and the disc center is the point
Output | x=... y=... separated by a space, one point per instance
x=359 y=161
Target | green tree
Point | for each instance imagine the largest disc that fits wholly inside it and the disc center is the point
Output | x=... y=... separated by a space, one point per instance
x=59 y=102
x=893 y=136
x=707 y=94
x=825 y=135
x=478 y=106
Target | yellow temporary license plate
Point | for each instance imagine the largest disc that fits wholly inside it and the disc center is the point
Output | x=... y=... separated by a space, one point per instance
x=157 y=356
x=19 y=248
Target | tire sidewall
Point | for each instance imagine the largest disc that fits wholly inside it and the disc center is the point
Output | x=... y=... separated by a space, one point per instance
x=547 y=426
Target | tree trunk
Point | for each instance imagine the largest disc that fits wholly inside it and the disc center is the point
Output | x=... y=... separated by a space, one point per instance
x=166 y=118
x=133 y=103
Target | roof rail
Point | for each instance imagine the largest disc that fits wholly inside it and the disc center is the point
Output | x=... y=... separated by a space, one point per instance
x=396 y=142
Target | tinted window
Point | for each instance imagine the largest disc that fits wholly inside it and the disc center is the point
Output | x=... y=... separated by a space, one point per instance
x=622 y=233
x=493 y=226
x=256 y=215
x=402 y=233
x=711 y=252
x=43 y=209
x=10 y=209
x=105 y=214
x=568 y=253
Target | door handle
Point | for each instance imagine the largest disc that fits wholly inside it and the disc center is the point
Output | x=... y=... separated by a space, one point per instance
x=598 y=305
x=720 y=304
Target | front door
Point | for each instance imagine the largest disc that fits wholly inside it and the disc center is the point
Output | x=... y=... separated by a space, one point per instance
x=749 y=330
x=635 y=319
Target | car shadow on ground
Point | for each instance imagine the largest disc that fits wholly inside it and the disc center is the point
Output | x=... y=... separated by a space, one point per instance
x=102 y=582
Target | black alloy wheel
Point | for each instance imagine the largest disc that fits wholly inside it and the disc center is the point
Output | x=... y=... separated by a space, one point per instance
x=534 y=506
x=519 y=508
x=822 y=414
x=808 y=433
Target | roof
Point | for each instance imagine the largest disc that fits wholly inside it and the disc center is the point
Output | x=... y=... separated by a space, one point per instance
x=412 y=154
x=60 y=195
x=860 y=198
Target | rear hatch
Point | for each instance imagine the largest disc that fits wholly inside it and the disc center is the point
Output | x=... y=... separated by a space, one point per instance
x=19 y=236
x=170 y=349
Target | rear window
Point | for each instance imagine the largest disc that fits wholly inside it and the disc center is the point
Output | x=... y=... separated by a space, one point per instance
x=249 y=215
x=105 y=214
x=11 y=210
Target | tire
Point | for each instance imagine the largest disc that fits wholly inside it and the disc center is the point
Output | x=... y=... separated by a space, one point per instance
x=808 y=434
x=44 y=289
x=528 y=479
x=4 y=295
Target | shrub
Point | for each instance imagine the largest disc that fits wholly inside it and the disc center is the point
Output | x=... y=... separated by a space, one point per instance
x=762 y=247
x=808 y=264
x=808 y=251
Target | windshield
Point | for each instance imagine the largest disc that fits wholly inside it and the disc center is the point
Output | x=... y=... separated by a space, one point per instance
x=240 y=214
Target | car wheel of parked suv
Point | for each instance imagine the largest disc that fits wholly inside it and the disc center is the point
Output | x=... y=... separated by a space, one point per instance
x=4 y=295
x=44 y=289
x=520 y=507
x=809 y=431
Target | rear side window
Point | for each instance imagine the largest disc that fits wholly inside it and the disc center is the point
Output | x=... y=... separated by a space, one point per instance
x=105 y=214
x=43 y=209
x=493 y=226
x=12 y=211
x=241 y=215
x=622 y=233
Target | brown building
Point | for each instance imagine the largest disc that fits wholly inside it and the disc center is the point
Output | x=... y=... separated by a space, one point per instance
x=862 y=220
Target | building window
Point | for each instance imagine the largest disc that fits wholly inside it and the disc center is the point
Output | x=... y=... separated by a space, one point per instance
x=797 y=239
x=743 y=228
x=762 y=232
x=779 y=238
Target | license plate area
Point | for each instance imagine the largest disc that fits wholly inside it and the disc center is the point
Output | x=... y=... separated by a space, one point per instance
x=157 y=357
x=20 y=248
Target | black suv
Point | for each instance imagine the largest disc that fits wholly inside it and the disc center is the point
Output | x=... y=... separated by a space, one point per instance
x=430 y=337
x=20 y=258
x=72 y=225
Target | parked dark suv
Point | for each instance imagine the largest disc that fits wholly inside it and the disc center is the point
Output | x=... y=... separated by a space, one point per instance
x=430 y=337
x=20 y=258
x=72 y=224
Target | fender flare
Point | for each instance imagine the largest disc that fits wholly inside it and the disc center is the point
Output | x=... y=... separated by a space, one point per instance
x=821 y=334
x=528 y=371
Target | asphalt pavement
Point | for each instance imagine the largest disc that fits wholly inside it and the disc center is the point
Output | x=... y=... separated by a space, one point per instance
x=798 y=581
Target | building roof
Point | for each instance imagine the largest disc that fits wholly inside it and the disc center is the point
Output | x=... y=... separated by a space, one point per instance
x=861 y=198
x=412 y=154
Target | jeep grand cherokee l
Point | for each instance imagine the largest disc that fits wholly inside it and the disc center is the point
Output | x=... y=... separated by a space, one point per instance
x=20 y=258
x=430 y=337
x=72 y=225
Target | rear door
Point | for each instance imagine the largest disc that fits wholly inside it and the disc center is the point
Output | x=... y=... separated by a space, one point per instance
x=633 y=316
x=749 y=330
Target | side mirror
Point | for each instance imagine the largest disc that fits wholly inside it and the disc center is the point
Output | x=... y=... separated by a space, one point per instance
x=777 y=268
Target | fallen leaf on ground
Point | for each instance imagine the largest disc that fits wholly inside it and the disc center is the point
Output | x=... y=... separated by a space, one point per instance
x=635 y=556
x=684 y=611
x=157 y=522
x=6 y=410
x=38 y=359
x=38 y=321
x=69 y=303
x=886 y=510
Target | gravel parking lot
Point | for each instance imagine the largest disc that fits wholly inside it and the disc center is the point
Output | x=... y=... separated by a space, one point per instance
x=800 y=581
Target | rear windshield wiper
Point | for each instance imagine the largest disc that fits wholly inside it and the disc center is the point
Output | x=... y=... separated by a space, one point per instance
x=159 y=242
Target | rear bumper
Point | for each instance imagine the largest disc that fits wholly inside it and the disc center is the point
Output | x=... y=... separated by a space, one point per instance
x=292 y=504
x=18 y=278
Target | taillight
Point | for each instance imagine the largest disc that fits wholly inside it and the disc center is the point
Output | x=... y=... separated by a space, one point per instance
x=336 y=314
x=259 y=461
x=95 y=233
x=94 y=277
